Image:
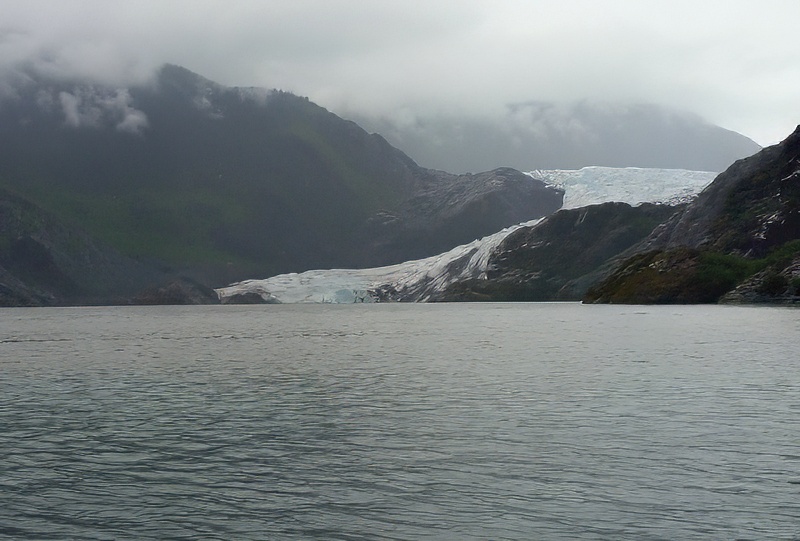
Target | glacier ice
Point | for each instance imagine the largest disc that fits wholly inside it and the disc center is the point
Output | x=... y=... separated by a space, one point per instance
x=632 y=185
x=412 y=280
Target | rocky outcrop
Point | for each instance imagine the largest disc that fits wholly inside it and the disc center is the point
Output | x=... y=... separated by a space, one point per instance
x=741 y=233
x=774 y=285
x=447 y=210
x=751 y=207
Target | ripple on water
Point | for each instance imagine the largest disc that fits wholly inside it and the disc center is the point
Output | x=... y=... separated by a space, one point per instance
x=399 y=422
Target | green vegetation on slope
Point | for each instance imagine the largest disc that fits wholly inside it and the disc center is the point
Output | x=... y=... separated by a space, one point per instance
x=262 y=184
x=689 y=276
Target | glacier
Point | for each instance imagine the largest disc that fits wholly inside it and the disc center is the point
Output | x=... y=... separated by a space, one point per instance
x=419 y=280
x=632 y=185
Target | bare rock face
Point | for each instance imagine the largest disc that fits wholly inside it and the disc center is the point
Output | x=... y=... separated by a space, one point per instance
x=741 y=235
x=15 y=292
x=447 y=210
x=770 y=286
x=751 y=207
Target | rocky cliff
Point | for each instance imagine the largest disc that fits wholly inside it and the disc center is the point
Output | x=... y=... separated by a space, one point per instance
x=738 y=241
x=448 y=210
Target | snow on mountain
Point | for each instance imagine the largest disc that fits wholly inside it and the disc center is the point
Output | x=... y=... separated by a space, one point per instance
x=418 y=280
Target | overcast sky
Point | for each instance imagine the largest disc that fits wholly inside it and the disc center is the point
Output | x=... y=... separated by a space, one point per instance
x=734 y=62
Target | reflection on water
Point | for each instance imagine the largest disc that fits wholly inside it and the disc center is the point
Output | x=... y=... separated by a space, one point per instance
x=541 y=421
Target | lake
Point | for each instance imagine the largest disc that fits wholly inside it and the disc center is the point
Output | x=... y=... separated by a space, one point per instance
x=401 y=422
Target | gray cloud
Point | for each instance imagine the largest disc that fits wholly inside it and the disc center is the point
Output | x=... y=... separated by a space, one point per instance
x=735 y=62
x=70 y=105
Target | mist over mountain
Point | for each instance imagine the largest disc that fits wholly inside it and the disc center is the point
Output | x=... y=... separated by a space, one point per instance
x=547 y=135
x=183 y=178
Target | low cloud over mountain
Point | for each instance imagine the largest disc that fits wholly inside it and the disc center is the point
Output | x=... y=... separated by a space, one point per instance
x=549 y=135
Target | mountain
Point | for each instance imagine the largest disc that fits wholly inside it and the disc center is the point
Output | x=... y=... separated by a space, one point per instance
x=738 y=241
x=547 y=135
x=560 y=249
x=220 y=183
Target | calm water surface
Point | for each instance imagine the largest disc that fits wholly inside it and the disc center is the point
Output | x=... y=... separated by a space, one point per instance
x=403 y=422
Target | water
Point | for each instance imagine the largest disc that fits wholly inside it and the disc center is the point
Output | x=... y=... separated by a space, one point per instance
x=403 y=422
